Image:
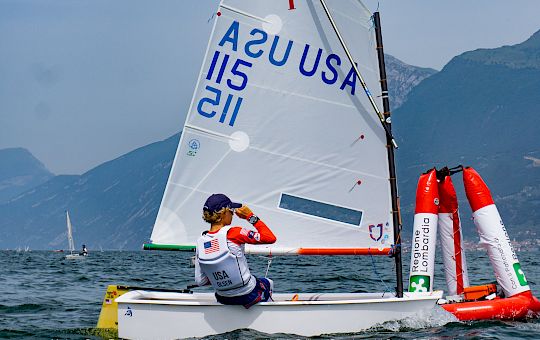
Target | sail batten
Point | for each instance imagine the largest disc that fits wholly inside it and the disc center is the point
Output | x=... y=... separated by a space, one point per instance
x=208 y=132
x=225 y=138
x=237 y=11
x=299 y=95
x=277 y=110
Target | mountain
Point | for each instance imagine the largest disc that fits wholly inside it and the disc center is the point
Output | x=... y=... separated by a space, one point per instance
x=402 y=78
x=20 y=171
x=482 y=109
x=115 y=204
x=112 y=206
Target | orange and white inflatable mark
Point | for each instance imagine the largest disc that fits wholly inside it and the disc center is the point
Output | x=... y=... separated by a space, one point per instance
x=493 y=235
x=519 y=301
x=424 y=234
x=451 y=236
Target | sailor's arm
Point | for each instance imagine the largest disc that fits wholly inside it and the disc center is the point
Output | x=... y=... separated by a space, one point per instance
x=266 y=235
x=263 y=235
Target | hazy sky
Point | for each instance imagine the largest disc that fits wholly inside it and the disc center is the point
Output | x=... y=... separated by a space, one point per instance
x=85 y=81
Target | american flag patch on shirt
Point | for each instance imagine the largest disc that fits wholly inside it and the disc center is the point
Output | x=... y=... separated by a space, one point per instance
x=211 y=246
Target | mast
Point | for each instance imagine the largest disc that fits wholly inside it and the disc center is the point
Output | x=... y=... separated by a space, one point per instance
x=391 y=163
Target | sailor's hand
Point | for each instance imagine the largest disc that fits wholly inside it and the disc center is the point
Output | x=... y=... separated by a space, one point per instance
x=244 y=212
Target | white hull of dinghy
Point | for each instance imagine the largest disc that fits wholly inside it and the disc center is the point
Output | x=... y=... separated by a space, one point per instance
x=166 y=315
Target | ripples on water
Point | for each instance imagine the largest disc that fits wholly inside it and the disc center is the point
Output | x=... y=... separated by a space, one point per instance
x=45 y=296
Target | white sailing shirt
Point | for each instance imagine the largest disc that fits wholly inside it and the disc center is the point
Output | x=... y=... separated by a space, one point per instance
x=221 y=260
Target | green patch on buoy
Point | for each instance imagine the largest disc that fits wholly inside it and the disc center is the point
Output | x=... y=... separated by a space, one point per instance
x=520 y=275
x=419 y=283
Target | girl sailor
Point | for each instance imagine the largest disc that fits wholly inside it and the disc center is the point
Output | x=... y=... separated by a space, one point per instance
x=220 y=259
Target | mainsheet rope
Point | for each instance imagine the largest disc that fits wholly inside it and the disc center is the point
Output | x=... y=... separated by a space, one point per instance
x=378 y=275
x=269 y=259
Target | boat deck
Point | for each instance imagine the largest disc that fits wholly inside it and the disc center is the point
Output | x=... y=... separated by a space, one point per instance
x=159 y=297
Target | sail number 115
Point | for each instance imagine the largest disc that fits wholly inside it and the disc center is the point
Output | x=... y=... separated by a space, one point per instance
x=222 y=68
x=207 y=104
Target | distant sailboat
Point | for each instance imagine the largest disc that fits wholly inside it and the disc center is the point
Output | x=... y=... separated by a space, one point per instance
x=72 y=255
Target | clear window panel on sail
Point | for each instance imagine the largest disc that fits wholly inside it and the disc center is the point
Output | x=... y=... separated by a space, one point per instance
x=320 y=209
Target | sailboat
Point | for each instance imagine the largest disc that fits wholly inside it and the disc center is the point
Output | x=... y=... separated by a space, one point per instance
x=283 y=119
x=71 y=255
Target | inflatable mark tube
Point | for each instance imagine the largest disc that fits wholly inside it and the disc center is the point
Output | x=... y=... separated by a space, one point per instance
x=493 y=235
x=518 y=302
x=424 y=234
x=451 y=236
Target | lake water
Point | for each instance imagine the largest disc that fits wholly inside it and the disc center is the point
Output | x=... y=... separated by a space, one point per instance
x=44 y=296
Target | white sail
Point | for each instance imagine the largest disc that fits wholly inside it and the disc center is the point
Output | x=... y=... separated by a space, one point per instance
x=69 y=233
x=279 y=122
